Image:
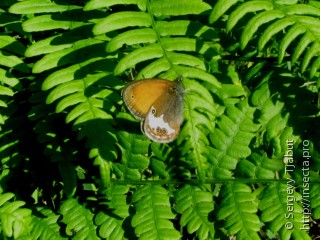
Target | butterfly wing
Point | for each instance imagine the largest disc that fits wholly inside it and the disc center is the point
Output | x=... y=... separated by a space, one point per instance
x=140 y=95
x=163 y=121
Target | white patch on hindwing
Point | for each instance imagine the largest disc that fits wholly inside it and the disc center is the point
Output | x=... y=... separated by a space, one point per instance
x=155 y=122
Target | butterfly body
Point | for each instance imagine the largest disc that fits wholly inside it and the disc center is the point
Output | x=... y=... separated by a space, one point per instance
x=159 y=104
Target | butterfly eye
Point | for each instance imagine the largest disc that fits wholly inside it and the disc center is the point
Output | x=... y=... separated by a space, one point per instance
x=153 y=111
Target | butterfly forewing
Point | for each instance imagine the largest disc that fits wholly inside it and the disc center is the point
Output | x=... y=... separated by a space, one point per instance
x=140 y=95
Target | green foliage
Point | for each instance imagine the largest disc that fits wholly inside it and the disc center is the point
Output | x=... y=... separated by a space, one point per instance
x=74 y=164
x=15 y=220
x=78 y=220
x=296 y=24
x=280 y=207
x=239 y=207
x=45 y=225
x=195 y=207
x=153 y=214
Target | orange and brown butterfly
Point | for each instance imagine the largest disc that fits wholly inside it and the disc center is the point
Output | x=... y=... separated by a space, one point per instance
x=158 y=103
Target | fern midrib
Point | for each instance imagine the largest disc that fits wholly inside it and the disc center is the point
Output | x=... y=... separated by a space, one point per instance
x=159 y=38
x=239 y=210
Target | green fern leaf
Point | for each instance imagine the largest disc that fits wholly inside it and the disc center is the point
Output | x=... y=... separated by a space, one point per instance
x=10 y=44
x=79 y=52
x=156 y=51
x=9 y=80
x=162 y=163
x=302 y=45
x=134 y=156
x=220 y=8
x=272 y=30
x=253 y=25
x=153 y=211
x=291 y=35
x=12 y=62
x=68 y=74
x=315 y=200
x=163 y=52
x=314 y=67
x=199 y=115
x=96 y=4
x=139 y=55
x=278 y=103
x=11 y=51
x=78 y=219
x=15 y=220
x=310 y=53
x=279 y=16
x=231 y=139
x=185 y=28
x=39 y=6
x=175 y=8
x=44 y=23
x=112 y=227
x=136 y=36
x=195 y=205
x=121 y=20
x=258 y=165
x=238 y=209
x=58 y=42
x=274 y=209
x=247 y=7
x=46 y=226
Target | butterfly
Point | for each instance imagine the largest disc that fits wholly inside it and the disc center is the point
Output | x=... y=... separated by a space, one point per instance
x=158 y=103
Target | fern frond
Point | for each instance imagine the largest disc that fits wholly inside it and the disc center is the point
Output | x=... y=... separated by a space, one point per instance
x=200 y=115
x=111 y=222
x=195 y=207
x=172 y=47
x=279 y=215
x=58 y=42
x=77 y=53
x=15 y=220
x=134 y=158
x=162 y=162
x=78 y=219
x=75 y=62
x=279 y=100
x=153 y=211
x=231 y=139
x=11 y=51
x=158 y=37
x=9 y=85
x=45 y=226
x=259 y=166
x=111 y=227
x=238 y=208
x=299 y=22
